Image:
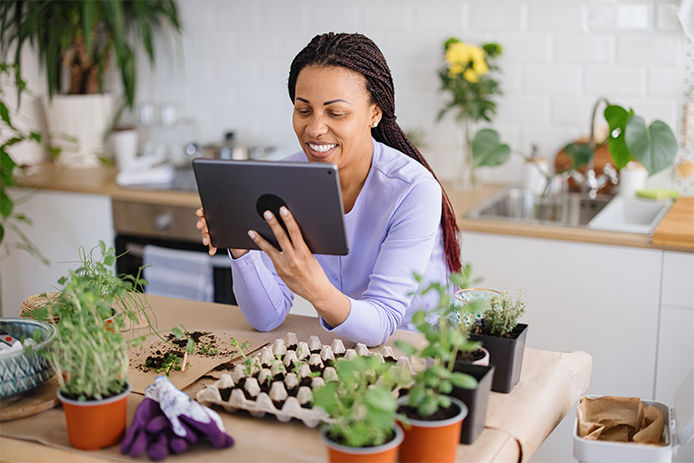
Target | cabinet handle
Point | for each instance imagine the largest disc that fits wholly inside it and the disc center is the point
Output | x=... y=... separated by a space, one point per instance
x=163 y=221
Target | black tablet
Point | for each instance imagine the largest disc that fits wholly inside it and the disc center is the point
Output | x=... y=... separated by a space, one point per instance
x=234 y=195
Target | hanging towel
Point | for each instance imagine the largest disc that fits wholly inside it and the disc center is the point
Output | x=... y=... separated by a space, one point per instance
x=175 y=273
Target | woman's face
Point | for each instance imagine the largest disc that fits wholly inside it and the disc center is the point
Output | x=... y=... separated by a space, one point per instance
x=333 y=115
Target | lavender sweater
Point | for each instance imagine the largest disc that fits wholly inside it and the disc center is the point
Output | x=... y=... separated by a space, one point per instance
x=393 y=230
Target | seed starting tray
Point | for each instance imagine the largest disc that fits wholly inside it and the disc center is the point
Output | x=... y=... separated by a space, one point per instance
x=283 y=376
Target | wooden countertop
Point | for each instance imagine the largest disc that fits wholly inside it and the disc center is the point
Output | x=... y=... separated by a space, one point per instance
x=516 y=424
x=101 y=181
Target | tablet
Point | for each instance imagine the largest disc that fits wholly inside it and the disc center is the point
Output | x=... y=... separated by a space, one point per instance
x=234 y=195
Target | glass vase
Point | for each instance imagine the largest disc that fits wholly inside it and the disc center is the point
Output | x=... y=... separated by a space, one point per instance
x=467 y=176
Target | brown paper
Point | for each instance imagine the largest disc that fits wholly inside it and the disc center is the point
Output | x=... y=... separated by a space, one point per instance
x=196 y=364
x=619 y=419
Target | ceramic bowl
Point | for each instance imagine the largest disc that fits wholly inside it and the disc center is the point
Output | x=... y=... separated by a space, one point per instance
x=23 y=370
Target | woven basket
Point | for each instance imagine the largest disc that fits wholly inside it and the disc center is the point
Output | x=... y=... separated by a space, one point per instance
x=36 y=301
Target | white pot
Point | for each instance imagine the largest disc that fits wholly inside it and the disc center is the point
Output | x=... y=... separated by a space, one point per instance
x=77 y=125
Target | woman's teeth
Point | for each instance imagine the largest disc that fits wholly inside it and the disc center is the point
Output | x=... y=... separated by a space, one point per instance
x=321 y=148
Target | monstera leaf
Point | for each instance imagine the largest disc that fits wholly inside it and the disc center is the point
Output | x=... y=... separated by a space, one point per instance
x=580 y=153
x=617 y=118
x=487 y=150
x=654 y=146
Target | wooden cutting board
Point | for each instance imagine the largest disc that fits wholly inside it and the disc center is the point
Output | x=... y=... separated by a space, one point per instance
x=677 y=227
x=31 y=402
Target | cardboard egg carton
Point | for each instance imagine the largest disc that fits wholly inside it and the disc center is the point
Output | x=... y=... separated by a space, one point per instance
x=280 y=378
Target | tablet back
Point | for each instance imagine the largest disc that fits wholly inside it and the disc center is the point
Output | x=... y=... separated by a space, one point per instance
x=234 y=195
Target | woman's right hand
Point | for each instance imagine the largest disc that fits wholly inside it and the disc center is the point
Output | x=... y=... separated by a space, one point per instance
x=202 y=226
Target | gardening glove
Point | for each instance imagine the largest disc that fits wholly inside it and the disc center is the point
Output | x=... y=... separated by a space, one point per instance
x=188 y=417
x=136 y=438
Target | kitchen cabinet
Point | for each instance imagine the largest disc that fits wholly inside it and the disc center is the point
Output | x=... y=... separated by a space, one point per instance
x=601 y=299
x=62 y=223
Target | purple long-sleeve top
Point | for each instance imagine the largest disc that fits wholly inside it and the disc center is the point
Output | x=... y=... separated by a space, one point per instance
x=393 y=230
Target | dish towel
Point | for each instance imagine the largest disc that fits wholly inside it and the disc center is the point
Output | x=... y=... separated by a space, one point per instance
x=175 y=273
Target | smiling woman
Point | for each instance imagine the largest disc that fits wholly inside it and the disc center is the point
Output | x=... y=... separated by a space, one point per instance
x=397 y=218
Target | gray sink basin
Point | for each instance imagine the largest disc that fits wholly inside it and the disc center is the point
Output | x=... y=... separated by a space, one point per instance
x=519 y=205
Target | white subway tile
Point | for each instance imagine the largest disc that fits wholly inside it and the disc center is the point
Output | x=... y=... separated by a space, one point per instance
x=521 y=109
x=560 y=16
x=283 y=16
x=256 y=44
x=500 y=15
x=584 y=49
x=554 y=79
x=233 y=15
x=601 y=15
x=664 y=109
x=666 y=16
x=634 y=16
x=439 y=15
x=573 y=112
x=664 y=81
x=335 y=16
x=648 y=49
x=387 y=15
x=549 y=139
x=524 y=48
x=418 y=46
x=512 y=78
x=614 y=80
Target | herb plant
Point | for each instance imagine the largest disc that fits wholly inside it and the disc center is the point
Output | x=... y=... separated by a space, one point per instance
x=363 y=413
x=445 y=340
x=501 y=315
x=251 y=363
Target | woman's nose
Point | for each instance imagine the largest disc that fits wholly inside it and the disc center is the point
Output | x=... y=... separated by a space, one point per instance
x=316 y=126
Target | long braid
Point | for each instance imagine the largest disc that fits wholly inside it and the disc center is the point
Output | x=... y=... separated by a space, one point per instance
x=360 y=54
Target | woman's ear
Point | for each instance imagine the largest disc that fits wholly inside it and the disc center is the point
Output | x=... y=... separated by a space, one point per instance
x=376 y=114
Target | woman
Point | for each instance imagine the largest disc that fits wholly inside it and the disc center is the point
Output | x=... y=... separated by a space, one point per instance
x=397 y=217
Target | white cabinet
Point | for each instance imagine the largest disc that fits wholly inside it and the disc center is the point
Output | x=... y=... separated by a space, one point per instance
x=62 y=223
x=600 y=299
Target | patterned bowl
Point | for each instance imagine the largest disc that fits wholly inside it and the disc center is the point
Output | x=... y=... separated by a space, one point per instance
x=21 y=370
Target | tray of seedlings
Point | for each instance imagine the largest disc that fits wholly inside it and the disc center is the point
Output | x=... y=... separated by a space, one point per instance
x=280 y=378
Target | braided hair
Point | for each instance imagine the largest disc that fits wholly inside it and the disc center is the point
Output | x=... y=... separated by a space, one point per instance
x=360 y=54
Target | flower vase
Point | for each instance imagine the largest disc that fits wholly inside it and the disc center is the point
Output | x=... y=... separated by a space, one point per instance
x=467 y=177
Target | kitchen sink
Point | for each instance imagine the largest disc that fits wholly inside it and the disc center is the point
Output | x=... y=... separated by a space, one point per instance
x=633 y=215
x=519 y=205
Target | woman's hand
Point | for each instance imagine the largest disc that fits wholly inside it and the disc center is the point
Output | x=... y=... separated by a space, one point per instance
x=300 y=270
x=202 y=226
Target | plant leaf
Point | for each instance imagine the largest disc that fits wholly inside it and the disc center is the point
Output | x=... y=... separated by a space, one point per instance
x=380 y=399
x=581 y=153
x=654 y=146
x=616 y=118
x=408 y=349
x=463 y=380
x=6 y=205
x=487 y=150
x=5 y=115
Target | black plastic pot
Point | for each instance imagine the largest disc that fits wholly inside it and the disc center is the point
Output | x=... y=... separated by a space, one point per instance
x=506 y=354
x=475 y=399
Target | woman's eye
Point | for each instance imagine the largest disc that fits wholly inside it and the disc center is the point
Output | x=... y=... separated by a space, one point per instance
x=337 y=114
x=303 y=112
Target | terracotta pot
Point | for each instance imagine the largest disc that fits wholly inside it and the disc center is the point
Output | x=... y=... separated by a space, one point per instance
x=94 y=424
x=432 y=441
x=386 y=453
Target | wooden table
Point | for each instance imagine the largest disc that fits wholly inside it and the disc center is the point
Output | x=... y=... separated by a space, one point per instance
x=517 y=423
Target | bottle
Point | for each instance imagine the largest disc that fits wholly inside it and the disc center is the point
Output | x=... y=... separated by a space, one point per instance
x=536 y=172
x=227 y=149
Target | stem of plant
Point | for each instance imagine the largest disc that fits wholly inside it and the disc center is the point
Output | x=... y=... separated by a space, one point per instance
x=185 y=359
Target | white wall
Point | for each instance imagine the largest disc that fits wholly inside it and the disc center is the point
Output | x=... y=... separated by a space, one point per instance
x=559 y=57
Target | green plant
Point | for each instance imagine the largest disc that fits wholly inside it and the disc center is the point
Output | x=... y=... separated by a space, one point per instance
x=252 y=363
x=501 y=315
x=629 y=138
x=363 y=411
x=488 y=150
x=445 y=340
x=12 y=136
x=82 y=36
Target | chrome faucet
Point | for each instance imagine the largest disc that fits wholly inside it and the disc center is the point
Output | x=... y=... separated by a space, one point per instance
x=590 y=182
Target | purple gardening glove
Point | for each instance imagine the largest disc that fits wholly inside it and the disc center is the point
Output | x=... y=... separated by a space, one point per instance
x=188 y=418
x=136 y=438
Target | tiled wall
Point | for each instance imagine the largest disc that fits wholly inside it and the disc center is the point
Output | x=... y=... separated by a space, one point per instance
x=229 y=68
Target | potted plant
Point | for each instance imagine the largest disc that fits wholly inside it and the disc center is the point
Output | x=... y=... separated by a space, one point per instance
x=82 y=37
x=362 y=409
x=468 y=77
x=91 y=362
x=501 y=334
x=434 y=418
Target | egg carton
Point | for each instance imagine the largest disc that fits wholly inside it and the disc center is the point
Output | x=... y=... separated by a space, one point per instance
x=280 y=378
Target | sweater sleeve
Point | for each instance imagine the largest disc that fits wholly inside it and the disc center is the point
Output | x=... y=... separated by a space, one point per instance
x=262 y=296
x=412 y=233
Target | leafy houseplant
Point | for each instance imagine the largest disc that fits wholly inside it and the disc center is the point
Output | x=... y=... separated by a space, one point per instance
x=435 y=417
x=362 y=409
x=629 y=138
x=468 y=77
x=82 y=37
x=498 y=329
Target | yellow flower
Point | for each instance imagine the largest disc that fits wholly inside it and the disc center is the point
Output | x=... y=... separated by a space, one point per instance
x=470 y=75
x=455 y=70
x=479 y=64
x=458 y=53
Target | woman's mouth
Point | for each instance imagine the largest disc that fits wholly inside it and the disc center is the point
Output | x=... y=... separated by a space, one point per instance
x=321 y=149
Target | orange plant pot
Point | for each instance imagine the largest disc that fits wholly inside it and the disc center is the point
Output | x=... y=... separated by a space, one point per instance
x=432 y=441
x=94 y=424
x=386 y=453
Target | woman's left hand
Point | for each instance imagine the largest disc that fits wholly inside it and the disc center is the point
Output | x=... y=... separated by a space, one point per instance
x=295 y=264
